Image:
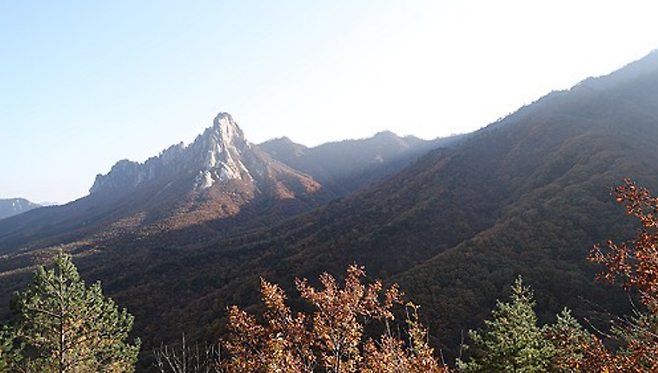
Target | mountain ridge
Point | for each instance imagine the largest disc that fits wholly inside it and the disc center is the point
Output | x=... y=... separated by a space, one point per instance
x=348 y=165
x=526 y=195
x=13 y=206
x=216 y=177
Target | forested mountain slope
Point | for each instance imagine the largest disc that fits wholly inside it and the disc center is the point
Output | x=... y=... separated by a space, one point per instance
x=346 y=166
x=527 y=195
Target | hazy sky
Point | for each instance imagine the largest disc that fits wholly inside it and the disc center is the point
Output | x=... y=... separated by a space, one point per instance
x=84 y=84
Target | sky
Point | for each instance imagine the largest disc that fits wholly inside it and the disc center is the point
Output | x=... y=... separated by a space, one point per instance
x=84 y=84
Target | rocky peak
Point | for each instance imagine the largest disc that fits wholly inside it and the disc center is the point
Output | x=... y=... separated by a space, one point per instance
x=228 y=130
x=220 y=154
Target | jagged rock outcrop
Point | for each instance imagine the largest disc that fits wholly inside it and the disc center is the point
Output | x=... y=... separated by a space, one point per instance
x=220 y=179
x=218 y=157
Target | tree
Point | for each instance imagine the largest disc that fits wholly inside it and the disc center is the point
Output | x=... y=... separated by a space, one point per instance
x=635 y=265
x=188 y=358
x=512 y=341
x=391 y=355
x=333 y=338
x=66 y=326
x=570 y=341
x=8 y=353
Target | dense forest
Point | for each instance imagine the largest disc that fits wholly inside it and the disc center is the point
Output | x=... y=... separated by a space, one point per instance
x=489 y=226
x=62 y=325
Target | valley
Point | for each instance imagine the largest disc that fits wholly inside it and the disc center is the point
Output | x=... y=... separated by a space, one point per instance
x=179 y=238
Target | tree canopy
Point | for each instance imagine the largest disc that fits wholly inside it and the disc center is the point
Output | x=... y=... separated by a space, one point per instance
x=331 y=339
x=62 y=325
x=512 y=341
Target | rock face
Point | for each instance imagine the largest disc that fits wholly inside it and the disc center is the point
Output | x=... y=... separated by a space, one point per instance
x=216 y=155
x=219 y=183
x=221 y=157
x=221 y=148
x=15 y=206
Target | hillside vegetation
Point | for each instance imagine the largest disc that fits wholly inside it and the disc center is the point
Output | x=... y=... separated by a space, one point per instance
x=528 y=195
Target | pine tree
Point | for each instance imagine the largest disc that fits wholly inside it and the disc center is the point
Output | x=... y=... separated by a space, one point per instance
x=66 y=326
x=8 y=353
x=570 y=341
x=512 y=342
x=638 y=339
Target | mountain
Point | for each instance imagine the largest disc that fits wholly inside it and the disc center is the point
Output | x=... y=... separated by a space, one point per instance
x=219 y=182
x=14 y=206
x=529 y=195
x=346 y=166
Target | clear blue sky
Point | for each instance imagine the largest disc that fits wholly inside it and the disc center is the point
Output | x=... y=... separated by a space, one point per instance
x=84 y=84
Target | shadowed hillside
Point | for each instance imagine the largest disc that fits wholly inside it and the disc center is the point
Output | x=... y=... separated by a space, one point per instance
x=346 y=166
x=15 y=206
x=527 y=195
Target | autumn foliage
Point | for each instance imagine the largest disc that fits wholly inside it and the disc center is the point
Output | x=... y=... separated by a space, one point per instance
x=635 y=266
x=333 y=338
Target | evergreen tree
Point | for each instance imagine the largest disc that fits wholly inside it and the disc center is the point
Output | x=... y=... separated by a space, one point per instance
x=8 y=354
x=512 y=342
x=570 y=341
x=66 y=326
x=637 y=337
